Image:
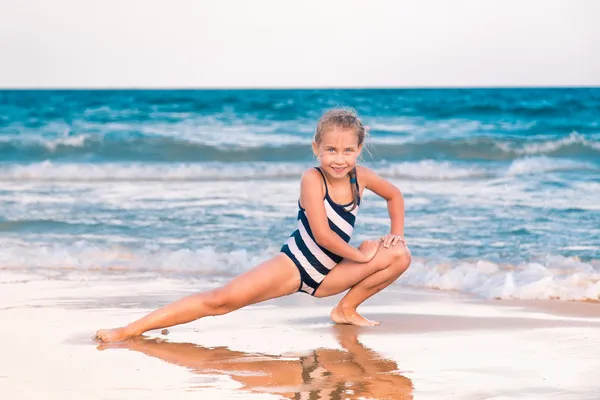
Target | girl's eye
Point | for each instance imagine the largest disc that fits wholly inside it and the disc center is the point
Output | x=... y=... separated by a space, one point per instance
x=331 y=150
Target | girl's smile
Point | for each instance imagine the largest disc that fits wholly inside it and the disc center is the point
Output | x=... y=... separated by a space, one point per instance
x=338 y=170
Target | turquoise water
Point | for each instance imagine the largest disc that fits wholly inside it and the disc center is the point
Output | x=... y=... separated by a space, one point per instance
x=502 y=186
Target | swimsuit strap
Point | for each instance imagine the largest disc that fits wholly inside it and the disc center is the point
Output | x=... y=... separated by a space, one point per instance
x=324 y=180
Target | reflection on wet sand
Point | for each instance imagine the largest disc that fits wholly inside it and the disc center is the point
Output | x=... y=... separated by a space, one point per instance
x=352 y=373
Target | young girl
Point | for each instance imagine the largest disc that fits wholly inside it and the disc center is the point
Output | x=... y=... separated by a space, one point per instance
x=317 y=258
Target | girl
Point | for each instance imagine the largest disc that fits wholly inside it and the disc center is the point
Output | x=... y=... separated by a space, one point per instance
x=317 y=258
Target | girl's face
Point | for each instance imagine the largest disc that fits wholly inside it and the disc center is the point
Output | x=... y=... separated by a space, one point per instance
x=338 y=151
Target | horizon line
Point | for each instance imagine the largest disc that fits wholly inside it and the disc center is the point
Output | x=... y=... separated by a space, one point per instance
x=299 y=88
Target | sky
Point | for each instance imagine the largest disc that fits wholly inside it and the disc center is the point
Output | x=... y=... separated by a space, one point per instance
x=309 y=43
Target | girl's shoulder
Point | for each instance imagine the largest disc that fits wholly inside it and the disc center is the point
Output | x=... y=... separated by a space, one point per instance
x=312 y=179
x=364 y=174
x=311 y=175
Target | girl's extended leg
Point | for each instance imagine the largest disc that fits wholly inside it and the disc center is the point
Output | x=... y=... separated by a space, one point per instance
x=364 y=280
x=273 y=278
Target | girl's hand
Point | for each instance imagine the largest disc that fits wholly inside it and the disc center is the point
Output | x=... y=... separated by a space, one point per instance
x=391 y=240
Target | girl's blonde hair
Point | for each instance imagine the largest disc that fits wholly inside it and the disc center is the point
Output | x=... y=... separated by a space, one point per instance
x=344 y=118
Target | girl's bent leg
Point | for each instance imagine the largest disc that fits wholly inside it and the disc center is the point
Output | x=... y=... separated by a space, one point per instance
x=345 y=312
x=364 y=280
x=273 y=278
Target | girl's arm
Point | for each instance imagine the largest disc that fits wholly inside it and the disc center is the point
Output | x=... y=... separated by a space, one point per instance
x=311 y=197
x=393 y=196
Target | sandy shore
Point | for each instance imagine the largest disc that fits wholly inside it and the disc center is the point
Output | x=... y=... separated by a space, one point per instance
x=431 y=345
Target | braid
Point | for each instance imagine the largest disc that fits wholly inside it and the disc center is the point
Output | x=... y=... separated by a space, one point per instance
x=354 y=184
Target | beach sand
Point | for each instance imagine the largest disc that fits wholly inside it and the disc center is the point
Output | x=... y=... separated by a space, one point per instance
x=430 y=345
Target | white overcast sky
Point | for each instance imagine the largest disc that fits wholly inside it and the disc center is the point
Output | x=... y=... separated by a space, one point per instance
x=309 y=43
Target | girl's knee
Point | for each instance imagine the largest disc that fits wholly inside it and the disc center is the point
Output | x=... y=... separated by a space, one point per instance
x=401 y=256
x=217 y=302
x=400 y=252
x=397 y=257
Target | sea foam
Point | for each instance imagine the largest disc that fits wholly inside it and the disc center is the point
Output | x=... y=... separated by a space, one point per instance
x=553 y=277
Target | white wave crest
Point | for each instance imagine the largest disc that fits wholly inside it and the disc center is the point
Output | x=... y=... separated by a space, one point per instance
x=560 y=278
x=84 y=257
x=551 y=146
x=431 y=170
x=533 y=165
x=65 y=140
x=50 y=143
x=48 y=171
x=556 y=277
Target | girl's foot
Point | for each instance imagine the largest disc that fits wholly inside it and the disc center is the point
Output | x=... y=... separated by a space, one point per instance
x=341 y=315
x=113 y=335
x=135 y=343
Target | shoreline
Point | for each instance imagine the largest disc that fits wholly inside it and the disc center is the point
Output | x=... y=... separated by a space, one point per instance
x=431 y=345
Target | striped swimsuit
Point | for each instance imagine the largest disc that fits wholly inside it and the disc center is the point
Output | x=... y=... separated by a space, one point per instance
x=314 y=261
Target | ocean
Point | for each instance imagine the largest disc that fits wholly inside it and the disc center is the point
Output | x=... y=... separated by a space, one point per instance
x=501 y=186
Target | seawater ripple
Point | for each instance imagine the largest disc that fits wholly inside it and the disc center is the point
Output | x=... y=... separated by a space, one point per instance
x=501 y=186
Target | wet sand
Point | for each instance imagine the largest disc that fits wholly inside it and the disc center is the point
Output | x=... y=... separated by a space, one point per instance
x=431 y=345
